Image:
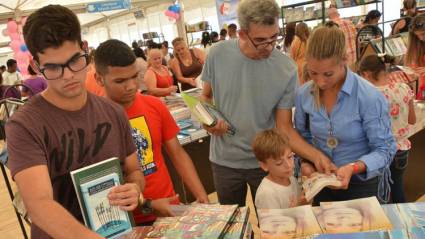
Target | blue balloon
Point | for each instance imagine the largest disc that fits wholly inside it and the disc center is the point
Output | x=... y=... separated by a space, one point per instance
x=177 y=8
x=23 y=48
x=170 y=8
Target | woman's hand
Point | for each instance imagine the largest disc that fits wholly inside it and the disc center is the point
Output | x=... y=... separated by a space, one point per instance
x=324 y=165
x=172 y=89
x=344 y=174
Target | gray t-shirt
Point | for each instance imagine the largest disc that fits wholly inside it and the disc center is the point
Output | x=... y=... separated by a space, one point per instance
x=39 y=133
x=247 y=92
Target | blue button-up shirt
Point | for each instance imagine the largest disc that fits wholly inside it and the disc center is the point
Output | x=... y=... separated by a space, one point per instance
x=360 y=122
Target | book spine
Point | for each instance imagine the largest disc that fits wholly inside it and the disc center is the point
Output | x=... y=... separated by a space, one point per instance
x=228 y=225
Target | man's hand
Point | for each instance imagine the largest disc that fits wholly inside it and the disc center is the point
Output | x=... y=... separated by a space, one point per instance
x=203 y=199
x=125 y=196
x=324 y=165
x=344 y=174
x=219 y=129
x=162 y=206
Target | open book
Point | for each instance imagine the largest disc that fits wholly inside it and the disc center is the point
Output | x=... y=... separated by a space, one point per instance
x=206 y=113
x=92 y=185
x=316 y=182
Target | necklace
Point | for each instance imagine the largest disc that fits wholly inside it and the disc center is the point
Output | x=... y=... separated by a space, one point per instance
x=332 y=141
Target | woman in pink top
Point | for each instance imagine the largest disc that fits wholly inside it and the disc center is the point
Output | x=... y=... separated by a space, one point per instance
x=400 y=100
x=158 y=80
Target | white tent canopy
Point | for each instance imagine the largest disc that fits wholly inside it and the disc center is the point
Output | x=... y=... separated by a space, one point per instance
x=16 y=8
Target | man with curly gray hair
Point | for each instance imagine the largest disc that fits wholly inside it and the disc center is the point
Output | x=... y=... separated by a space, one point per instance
x=253 y=85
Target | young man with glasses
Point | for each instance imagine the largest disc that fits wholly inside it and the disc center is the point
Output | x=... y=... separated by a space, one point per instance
x=65 y=128
x=253 y=85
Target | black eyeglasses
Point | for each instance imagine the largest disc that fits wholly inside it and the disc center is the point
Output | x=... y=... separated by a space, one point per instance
x=75 y=64
x=263 y=45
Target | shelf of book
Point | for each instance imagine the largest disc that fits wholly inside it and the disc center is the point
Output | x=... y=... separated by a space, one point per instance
x=321 y=13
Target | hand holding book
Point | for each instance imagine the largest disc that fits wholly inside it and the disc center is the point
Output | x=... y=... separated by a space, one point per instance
x=218 y=129
x=125 y=196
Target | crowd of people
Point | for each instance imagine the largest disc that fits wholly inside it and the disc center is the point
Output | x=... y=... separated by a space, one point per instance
x=86 y=107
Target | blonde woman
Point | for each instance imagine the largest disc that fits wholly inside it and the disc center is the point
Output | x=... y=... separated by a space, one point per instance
x=158 y=80
x=187 y=64
x=345 y=117
x=298 y=48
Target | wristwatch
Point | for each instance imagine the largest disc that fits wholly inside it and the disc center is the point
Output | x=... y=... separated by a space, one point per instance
x=145 y=205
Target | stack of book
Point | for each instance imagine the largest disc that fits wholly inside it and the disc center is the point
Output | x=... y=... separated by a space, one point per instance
x=200 y=221
x=360 y=218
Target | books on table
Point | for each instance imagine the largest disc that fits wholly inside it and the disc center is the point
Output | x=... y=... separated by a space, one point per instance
x=316 y=182
x=206 y=113
x=92 y=185
x=197 y=221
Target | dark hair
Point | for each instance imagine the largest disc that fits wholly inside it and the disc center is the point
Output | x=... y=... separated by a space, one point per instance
x=165 y=44
x=31 y=71
x=10 y=63
x=223 y=32
x=214 y=37
x=374 y=64
x=3 y=67
x=372 y=15
x=113 y=53
x=51 y=26
x=232 y=26
x=206 y=39
x=269 y=144
x=289 y=34
x=134 y=44
x=409 y=4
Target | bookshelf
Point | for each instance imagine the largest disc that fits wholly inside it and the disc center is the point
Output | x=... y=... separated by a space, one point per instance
x=194 y=28
x=309 y=10
x=395 y=46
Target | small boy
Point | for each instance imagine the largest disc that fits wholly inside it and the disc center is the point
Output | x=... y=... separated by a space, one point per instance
x=279 y=189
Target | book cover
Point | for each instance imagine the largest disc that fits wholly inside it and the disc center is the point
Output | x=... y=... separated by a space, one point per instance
x=297 y=222
x=206 y=113
x=198 y=221
x=316 y=182
x=359 y=215
x=92 y=185
x=402 y=228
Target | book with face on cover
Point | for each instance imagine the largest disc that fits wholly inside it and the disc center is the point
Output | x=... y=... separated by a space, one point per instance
x=206 y=113
x=296 y=222
x=92 y=185
x=316 y=182
x=359 y=215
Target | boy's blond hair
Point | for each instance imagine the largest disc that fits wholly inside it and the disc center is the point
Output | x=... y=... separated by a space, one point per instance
x=269 y=144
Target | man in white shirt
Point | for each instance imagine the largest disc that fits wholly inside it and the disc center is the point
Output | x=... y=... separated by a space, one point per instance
x=11 y=76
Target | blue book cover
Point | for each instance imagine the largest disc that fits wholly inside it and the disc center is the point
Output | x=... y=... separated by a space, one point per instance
x=105 y=219
x=92 y=185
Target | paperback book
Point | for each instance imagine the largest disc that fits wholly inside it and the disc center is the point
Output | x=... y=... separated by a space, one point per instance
x=316 y=182
x=206 y=113
x=297 y=222
x=359 y=215
x=92 y=185
x=198 y=221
